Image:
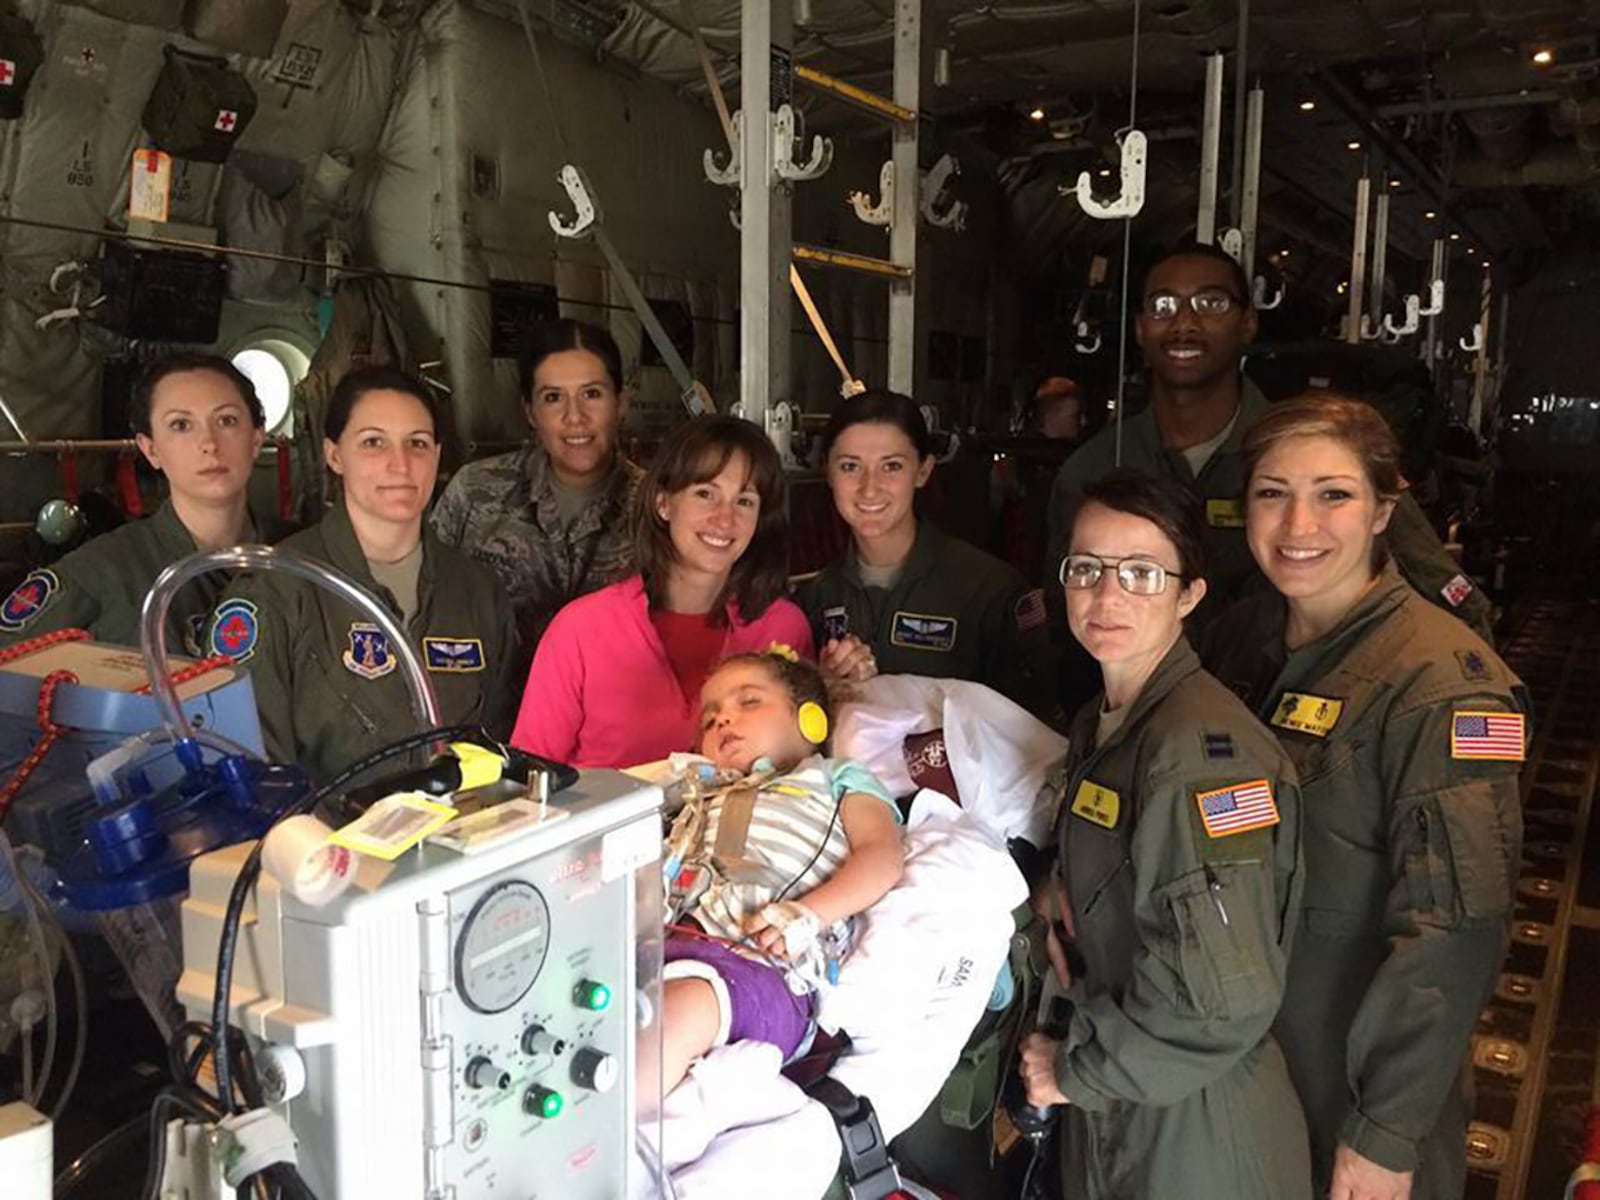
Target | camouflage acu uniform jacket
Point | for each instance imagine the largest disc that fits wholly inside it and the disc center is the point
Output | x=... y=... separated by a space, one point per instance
x=503 y=512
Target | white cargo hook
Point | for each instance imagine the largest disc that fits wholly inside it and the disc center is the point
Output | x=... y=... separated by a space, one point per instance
x=882 y=212
x=1258 y=295
x=784 y=138
x=1473 y=344
x=730 y=175
x=1370 y=329
x=1410 y=325
x=1233 y=244
x=576 y=184
x=1088 y=340
x=935 y=183
x=1435 y=304
x=1135 y=152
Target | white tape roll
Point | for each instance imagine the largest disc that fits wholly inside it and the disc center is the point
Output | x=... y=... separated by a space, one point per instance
x=298 y=855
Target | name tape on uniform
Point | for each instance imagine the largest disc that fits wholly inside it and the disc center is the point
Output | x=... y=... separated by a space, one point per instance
x=1316 y=715
x=1097 y=805
x=28 y=599
x=1496 y=736
x=453 y=655
x=1225 y=514
x=1237 y=808
x=921 y=631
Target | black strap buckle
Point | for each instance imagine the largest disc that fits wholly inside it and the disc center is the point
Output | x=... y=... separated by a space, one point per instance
x=869 y=1172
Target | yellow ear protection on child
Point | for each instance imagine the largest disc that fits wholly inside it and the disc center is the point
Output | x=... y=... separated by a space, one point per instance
x=813 y=723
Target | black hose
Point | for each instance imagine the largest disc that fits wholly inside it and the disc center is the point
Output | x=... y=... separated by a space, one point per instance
x=96 y=1156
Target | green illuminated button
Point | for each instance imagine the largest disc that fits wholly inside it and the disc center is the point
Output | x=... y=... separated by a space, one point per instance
x=591 y=995
x=541 y=1102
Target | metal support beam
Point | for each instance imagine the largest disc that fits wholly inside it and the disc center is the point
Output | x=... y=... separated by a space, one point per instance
x=1252 y=178
x=1380 y=256
x=1241 y=72
x=765 y=213
x=856 y=97
x=1358 y=263
x=912 y=51
x=1205 y=225
x=1436 y=270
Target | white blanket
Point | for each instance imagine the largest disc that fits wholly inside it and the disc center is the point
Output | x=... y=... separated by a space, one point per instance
x=909 y=996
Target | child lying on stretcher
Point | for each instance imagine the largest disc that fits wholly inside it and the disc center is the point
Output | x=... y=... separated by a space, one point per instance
x=767 y=871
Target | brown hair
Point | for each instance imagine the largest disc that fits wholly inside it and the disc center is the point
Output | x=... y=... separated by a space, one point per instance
x=799 y=677
x=696 y=452
x=1168 y=504
x=1354 y=424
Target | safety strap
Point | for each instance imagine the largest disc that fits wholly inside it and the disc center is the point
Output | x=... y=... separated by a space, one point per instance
x=733 y=823
x=128 y=486
x=869 y=1172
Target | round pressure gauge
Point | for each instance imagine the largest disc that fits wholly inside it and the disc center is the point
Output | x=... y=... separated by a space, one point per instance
x=502 y=945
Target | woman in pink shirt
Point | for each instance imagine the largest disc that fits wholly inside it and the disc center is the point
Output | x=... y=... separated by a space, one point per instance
x=616 y=678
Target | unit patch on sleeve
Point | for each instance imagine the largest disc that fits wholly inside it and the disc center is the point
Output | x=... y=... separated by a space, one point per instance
x=368 y=655
x=1456 y=590
x=453 y=655
x=919 y=631
x=1097 y=805
x=1316 y=715
x=28 y=599
x=1237 y=808
x=1497 y=736
x=235 y=630
x=1225 y=514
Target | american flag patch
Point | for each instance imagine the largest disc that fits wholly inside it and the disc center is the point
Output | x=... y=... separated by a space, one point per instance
x=1238 y=808
x=1030 y=610
x=1492 y=735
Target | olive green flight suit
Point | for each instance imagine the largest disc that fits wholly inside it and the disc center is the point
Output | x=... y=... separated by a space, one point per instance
x=1231 y=572
x=1412 y=848
x=1184 y=920
x=329 y=687
x=102 y=584
x=954 y=613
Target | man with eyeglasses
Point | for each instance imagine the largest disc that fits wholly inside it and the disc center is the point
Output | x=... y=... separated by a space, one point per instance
x=1194 y=323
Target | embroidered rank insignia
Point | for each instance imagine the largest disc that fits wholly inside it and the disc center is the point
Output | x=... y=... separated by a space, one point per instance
x=1225 y=514
x=1474 y=669
x=1237 y=808
x=1456 y=590
x=1218 y=745
x=835 y=624
x=1316 y=715
x=28 y=599
x=1097 y=805
x=453 y=655
x=1030 y=611
x=235 y=629
x=918 y=631
x=1498 y=736
x=368 y=655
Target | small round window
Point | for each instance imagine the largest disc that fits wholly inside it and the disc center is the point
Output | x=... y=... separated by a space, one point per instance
x=274 y=367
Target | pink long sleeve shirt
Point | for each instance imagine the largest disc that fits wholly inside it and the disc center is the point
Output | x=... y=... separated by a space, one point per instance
x=601 y=692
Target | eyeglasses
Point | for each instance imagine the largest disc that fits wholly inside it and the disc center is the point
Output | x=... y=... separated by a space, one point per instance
x=1138 y=576
x=1211 y=302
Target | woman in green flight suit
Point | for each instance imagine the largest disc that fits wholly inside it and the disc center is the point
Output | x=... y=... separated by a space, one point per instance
x=327 y=682
x=1179 y=853
x=1409 y=734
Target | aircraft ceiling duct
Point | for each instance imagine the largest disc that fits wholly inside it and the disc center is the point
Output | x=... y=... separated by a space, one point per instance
x=1502 y=134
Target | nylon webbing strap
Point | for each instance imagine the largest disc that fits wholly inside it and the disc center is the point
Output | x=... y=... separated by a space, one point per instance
x=733 y=824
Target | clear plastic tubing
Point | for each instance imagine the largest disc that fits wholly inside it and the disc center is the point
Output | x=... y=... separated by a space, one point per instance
x=153 y=630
